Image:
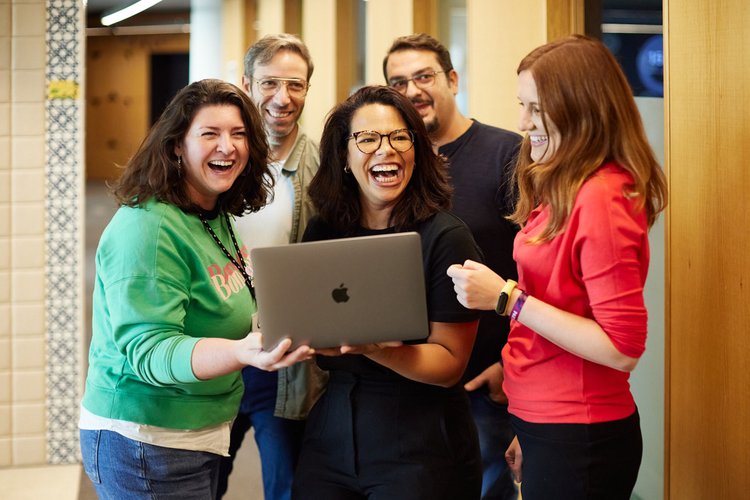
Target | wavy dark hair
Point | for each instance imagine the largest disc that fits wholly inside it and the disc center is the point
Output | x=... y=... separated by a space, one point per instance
x=153 y=172
x=335 y=194
x=584 y=93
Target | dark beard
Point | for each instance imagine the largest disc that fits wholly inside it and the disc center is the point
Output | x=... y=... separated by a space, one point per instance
x=432 y=126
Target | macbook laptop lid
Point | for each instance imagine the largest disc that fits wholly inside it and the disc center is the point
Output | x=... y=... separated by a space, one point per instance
x=347 y=291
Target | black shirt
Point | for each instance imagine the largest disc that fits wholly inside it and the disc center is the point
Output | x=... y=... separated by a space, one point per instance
x=445 y=241
x=481 y=164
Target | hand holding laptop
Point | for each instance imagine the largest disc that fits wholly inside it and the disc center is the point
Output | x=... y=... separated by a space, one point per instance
x=357 y=349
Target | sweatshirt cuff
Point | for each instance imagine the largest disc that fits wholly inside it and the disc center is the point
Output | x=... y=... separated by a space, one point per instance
x=183 y=354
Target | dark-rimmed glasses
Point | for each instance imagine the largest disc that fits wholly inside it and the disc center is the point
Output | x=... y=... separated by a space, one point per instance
x=270 y=86
x=422 y=81
x=369 y=141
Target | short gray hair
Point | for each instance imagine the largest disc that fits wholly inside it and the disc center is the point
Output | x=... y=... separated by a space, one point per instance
x=261 y=52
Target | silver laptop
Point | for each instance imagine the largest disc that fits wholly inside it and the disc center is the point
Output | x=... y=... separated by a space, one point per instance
x=341 y=292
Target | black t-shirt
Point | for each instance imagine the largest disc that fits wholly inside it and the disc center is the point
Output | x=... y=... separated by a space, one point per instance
x=481 y=164
x=445 y=241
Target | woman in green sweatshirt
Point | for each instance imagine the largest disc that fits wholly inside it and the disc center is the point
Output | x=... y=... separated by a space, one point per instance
x=174 y=304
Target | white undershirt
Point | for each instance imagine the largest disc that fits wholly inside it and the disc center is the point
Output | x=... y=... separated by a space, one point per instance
x=272 y=224
x=213 y=439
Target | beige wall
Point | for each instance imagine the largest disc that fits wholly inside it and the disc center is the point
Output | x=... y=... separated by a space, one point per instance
x=319 y=33
x=22 y=192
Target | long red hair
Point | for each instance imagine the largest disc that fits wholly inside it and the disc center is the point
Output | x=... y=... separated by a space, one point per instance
x=584 y=93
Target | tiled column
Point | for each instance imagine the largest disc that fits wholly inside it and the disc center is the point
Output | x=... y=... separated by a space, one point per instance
x=64 y=226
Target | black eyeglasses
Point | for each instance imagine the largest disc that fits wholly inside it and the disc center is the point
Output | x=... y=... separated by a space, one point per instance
x=423 y=81
x=271 y=86
x=369 y=141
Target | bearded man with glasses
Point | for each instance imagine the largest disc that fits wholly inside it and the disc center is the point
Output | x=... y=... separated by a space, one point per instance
x=277 y=76
x=481 y=160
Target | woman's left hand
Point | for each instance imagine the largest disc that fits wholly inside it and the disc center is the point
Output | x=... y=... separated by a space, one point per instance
x=249 y=351
x=357 y=349
x=476 y=285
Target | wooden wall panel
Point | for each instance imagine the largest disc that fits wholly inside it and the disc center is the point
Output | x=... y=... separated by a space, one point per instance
x=708 y=248
x=118 y=97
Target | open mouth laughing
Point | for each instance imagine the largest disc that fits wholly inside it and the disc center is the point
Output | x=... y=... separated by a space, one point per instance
x=221 y=165
x=386 y=174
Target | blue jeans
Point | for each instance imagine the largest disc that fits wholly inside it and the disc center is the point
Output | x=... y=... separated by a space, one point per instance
x=122 y=468
x=495 y=435
x=279 y=440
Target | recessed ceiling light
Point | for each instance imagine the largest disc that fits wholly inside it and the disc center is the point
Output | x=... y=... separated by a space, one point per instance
x=128 y=11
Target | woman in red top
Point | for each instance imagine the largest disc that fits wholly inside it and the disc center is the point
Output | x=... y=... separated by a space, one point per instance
x=589 y=190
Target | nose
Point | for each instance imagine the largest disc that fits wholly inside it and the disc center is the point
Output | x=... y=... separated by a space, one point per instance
x=385 y=146
x=412 y=90
x=225 y=144
x=524 y=120
x=282 y=97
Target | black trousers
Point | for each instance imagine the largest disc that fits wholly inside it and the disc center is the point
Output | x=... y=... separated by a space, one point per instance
x=580 y=461
x=389 y=440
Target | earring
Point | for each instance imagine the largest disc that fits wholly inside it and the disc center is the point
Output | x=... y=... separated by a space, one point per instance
x=347 y=170
x=179 y=160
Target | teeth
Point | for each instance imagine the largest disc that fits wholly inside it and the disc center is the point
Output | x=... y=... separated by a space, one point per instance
x=384 y=168
x=538 y=138
x=221 y=163
x=279 y=115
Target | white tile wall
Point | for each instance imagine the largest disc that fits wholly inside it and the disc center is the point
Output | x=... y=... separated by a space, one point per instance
x=4 y=119
x=29 y=450
x=27 y=253
x=28 y=353
x=5 y=423
x=28 y=86
x=4 y=46
x=27 y=119
x=27 y=286
x=4 y=356
x=28 y=19
x=5 y=453
x=28 y=419
x=4 y=153
x=5 y=85
x=4 y=320
x=5 y=391
x=4 y=287
x=27 y=219
x=28 y=185
x=5 y=18
x=27 y=152
x=28 y=320
x=4 y=186
x=4 y=253
x=27 y=52
x=28 y=386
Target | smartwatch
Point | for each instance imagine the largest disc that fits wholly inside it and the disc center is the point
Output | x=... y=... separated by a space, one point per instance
x=502 y=302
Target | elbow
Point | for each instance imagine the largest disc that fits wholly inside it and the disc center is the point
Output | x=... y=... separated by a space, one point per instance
x=625 y=363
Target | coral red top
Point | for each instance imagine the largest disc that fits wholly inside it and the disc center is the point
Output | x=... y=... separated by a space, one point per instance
x=596 y=269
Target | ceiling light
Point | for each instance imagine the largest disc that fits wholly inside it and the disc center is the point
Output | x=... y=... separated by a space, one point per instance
x=126 y=12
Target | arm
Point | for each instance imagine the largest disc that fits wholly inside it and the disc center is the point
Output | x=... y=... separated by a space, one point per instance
x=477 y=287
x=214 y=357
x=441 y=361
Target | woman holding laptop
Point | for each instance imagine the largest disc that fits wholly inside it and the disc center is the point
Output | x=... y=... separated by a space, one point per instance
x=173 y=303
x=393 y=423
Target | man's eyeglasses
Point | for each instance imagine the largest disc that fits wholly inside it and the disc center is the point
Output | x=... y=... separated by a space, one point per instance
x=369 y=141
x=422 y=81
x=271 y=86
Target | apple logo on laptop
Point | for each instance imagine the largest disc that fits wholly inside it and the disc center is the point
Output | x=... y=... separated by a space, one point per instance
x=339 y=294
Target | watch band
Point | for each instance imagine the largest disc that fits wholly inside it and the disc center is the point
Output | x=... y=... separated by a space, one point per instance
x=502 y=301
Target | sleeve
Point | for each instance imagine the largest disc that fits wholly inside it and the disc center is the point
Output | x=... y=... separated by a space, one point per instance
x=147 y=316
x=612 y=249
x=452 y=246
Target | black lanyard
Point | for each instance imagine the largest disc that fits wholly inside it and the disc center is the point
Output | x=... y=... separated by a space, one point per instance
x=239 y=265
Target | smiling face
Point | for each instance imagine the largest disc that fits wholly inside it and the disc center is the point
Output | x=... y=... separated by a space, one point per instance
x=436 y=104
x=382 y=176
x=544 y=142
x=281 y=111
x=214 y=153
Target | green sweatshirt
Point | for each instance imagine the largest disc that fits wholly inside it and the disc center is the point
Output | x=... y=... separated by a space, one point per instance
x=162 y=284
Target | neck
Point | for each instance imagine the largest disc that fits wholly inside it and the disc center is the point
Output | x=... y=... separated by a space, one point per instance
x=282 y=146
x=375 y=217
x=456 y=127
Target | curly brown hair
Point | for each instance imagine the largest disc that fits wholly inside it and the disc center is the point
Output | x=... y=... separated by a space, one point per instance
x=336 y=195
x=153 y=172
